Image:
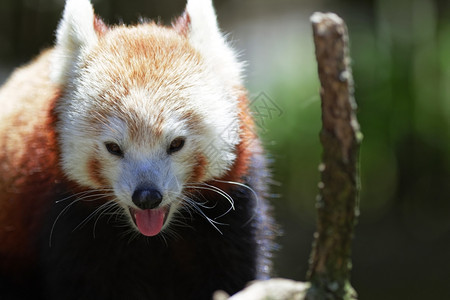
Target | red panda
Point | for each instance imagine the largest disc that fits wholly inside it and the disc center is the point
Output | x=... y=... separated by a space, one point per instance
x=129 y=167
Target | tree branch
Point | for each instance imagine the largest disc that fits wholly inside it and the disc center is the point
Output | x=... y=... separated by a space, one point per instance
x=337 y=203
x=338 y=200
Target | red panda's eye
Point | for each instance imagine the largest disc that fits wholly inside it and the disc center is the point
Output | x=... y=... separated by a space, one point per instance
x=176 y=145
x=114 y=149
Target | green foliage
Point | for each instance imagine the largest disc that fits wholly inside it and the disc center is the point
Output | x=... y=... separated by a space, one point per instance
x=401 y=65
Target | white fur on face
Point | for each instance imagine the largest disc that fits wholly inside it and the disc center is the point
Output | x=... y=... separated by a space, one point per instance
x=145 y=163
x=103 y=102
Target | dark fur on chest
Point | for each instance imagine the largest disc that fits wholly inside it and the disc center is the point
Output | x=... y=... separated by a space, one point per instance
x=102 y=260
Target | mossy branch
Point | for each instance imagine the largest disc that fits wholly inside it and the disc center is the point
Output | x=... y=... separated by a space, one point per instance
x=337 y=203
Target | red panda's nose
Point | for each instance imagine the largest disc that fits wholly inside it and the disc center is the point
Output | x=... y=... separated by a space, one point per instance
x=147 y=198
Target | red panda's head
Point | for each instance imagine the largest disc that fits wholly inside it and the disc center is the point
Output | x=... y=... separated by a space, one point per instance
x=146 y=111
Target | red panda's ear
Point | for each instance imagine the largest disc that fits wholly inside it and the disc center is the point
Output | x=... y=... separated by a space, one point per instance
x=199 y=24
x=182 y=24
x=99 y=26
x=202 y=22
x=75 y=34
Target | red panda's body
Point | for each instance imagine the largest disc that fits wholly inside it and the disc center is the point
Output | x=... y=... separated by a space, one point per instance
x=29 y=162
x=129 y=168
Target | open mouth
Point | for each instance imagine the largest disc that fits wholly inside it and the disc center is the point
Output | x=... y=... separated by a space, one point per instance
x=150 y=221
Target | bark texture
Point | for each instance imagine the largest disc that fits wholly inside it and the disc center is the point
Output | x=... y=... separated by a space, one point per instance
x=338 y=199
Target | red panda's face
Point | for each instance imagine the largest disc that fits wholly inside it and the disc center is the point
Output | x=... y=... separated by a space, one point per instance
x=146 y=113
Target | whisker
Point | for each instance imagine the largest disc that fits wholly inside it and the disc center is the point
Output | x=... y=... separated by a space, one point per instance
x=214 y=189
x=242 y=185
x=92 y=214
x=199 y=203
x=95 y=197
x=222 y=192
x=258 y=201
x=83 y=193
x=62 y=212
x=83 y=197
x=118 y=212
x=198 y=209
x=110 y=205
x=225 y=213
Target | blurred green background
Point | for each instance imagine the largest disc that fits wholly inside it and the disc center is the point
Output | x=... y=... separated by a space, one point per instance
x=401 y=64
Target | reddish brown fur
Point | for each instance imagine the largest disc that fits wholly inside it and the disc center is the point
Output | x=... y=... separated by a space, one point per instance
x=247 y=145
x=126 y=70
x=94 y=167
x=193 y=120
x=199 y=170
x=29 y=163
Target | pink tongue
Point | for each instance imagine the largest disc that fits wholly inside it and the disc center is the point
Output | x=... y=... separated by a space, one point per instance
x=150 y=221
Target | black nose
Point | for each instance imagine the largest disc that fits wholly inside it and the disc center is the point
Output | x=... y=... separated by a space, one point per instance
x=146 y=198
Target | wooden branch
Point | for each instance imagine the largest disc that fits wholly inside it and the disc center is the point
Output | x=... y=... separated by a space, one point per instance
x=337 y=203
x=273 y=289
